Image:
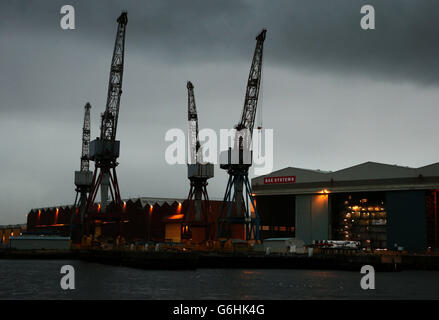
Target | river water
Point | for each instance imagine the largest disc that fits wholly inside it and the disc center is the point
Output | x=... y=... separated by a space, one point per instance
x=40 y=279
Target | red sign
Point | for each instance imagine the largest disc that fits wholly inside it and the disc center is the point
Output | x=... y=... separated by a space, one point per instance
x=274 y=180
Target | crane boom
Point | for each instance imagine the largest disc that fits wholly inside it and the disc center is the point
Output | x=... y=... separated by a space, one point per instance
x=253 y=83
x=111 y=114
x=83 y=180
x=194 y=143
x=104 y=151
x=196 y=211
x=85 y=160
x=236 y=208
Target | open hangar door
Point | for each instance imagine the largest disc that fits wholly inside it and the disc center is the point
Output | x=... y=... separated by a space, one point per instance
x=359 y=216
x=277 y=214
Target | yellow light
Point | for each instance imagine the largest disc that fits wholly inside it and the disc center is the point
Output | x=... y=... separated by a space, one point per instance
x=252 y=209
x=176 y=217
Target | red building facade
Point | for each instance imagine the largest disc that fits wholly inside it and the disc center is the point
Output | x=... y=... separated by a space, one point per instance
x=141 y=219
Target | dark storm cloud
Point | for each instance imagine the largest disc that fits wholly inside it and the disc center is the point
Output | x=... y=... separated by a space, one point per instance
x=312 y=35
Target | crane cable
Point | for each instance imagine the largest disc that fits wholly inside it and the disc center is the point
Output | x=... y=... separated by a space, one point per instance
x=259 y=112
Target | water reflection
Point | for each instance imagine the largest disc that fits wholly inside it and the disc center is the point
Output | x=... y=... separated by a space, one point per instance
x=39 y=279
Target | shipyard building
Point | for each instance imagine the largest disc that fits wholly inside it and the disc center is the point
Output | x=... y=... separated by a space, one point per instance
x=382 y=206
x=379 y=205
x=143 y=219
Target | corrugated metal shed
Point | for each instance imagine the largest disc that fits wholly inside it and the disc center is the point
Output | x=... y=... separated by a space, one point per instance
x=143 y=217
x=143 y=200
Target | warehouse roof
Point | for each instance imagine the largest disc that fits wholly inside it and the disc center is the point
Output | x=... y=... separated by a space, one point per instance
x=143 y=200
x=367 y=176
x=153 y=201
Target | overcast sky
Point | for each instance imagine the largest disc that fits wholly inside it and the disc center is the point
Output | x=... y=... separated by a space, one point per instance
x=335 y=95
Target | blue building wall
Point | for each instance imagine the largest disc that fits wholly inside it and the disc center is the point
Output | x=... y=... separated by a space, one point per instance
x=312 y=218
x=303 y=218
x=406 y=220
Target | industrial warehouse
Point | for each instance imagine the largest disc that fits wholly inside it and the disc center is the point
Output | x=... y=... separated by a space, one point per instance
x=143 y=220
x=379 y=205
x=382 y=206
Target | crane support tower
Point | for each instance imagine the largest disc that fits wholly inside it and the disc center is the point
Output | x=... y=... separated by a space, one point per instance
x=198 y=210
x=236 y=209
x=83 y=179
x=104 y=150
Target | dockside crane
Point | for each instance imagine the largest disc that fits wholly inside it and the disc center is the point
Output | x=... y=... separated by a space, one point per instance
x=235 y=209
x=104 y=150
x=196 y=217
x=83 y=177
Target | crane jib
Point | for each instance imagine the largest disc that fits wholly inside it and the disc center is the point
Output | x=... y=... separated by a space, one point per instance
x=85 y=162
x=253 y=84
x=194 y=142
x=110 y=116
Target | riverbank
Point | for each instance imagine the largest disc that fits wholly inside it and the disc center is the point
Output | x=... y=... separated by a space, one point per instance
x=196 y=260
